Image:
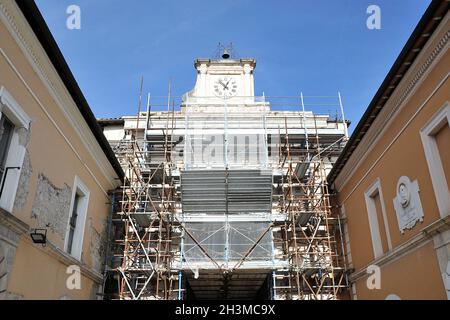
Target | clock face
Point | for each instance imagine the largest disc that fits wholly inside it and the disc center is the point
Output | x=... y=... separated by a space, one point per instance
x=225 y=87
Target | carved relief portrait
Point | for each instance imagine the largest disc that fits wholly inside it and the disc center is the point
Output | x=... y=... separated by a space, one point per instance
x=407 y=204
x=404 y=195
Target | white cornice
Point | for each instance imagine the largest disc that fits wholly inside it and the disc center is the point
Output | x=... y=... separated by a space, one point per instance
x=53 y=251
x=13 y=223
x=416 y=74
x=16 y=23
x=7 y=99
x=425 y=236
x=23 y=229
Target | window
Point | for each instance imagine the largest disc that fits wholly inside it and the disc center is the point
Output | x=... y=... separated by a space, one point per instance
x=6 y=131
x=443 y=143
x=379 y=227
x=435 y=140
x=14 y=136
x=73 y=222
x=77 y=220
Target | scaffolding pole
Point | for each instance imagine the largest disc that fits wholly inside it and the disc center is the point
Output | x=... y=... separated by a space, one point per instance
x=150 y=254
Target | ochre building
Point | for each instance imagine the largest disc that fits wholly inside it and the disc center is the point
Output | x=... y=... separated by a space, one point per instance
x=56 y=168
x=392 y=179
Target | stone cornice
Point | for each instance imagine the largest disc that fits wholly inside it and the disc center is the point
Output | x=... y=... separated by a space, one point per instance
x=22 y=229
x=422 y=238
x=53 y=251
x=208 y=62
x=411 y=81
x=13 y=223
x=13 y=19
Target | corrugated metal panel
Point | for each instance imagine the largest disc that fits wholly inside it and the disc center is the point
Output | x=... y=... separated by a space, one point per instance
x=210 y=191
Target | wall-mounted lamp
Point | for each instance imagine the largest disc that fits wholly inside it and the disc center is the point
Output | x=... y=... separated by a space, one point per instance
x=39 y=236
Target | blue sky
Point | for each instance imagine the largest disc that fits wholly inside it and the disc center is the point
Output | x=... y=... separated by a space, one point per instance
x=315 y=47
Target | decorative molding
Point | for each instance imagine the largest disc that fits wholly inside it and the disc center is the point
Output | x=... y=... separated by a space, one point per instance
x=60 y=131
x=53 y=251
x=82 y=212
x=21 y=228
x=374 y=224
x=435 y=164
x=3 y=273
x=14 y=224
x=442 y=247
x=16 y=150
x=14 y=108
x=407 y=87
x=407 y=205
x=11 y=230
x=36 y=56
x=446 y=279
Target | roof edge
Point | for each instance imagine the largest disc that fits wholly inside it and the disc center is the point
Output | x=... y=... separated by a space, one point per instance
x=435 y=7
x=37 y=23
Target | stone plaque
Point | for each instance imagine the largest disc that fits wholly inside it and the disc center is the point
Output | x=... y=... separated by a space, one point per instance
x=407 y=204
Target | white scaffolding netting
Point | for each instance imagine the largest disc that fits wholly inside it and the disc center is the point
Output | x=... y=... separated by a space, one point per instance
x=226 y=173
x=227 y=243
x=219 y=138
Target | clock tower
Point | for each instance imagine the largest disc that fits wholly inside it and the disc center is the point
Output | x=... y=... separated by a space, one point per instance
x=222 y=81
x=215 y=76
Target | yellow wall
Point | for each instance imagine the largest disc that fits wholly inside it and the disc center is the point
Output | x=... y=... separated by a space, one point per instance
x=443 y=143
x=417 y=274
x=406 y=157
x=37 y=275
x=34 y=272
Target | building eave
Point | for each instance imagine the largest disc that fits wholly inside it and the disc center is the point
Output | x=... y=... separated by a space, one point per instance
x=110 y=121
x=421 y=34
x=37 y=23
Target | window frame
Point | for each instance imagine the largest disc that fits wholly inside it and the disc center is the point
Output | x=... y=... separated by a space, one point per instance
x=82 y=193
x=374 y=224
x=3 y=119
x=434 y=161
x=16 y=151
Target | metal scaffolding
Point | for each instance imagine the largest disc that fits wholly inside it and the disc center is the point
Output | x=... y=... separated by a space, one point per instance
x=310 y=237
x=224 y=204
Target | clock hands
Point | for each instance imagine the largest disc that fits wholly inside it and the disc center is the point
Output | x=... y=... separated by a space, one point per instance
x=228 y=89
x=225 y=86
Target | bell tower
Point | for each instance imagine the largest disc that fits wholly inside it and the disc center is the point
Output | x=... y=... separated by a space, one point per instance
x=224 y=78
x=215 y=76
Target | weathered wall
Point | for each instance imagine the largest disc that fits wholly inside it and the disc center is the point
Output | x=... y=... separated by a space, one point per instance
x=56 y=153
x=11 y=230
x=399 y=151
x=46 y=273
x=97 y=245
x=51 y=206
x=24 y=183
x=7 y=254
